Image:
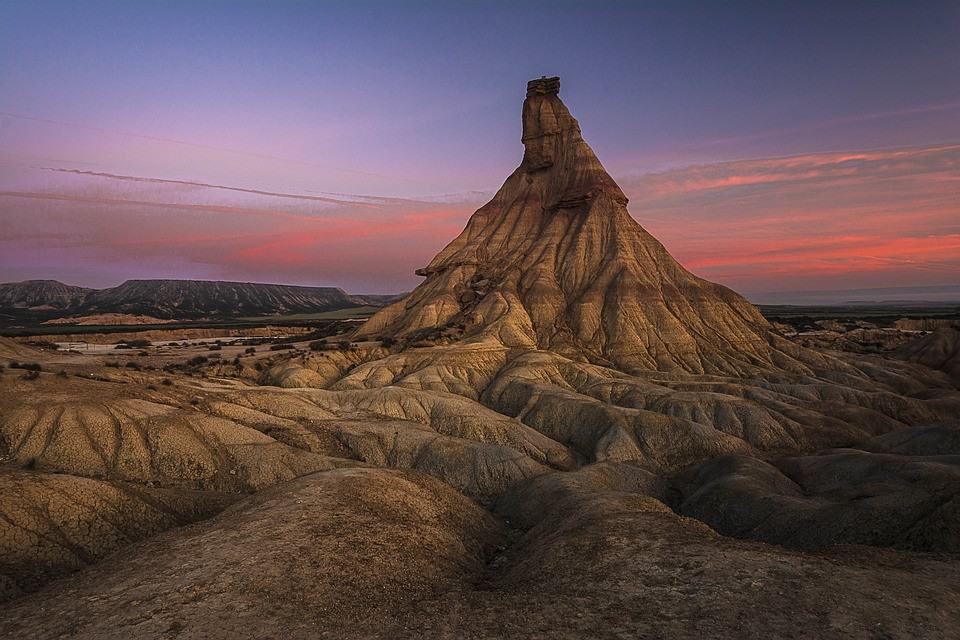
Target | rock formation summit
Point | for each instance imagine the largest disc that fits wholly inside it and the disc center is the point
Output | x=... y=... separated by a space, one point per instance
x=555 y=262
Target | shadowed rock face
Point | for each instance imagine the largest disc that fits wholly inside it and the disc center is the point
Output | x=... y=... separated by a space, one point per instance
x=939 y=350
x=555 y=262
x=840 y=496
x=51 y=525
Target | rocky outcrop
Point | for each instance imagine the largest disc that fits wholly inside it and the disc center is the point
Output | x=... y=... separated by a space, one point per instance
x=555 y=262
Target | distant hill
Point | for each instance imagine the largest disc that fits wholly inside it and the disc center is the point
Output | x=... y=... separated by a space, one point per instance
x=41 y=294
x=180 y=299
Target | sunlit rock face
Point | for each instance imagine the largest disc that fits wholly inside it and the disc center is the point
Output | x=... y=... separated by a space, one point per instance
x=555 y=261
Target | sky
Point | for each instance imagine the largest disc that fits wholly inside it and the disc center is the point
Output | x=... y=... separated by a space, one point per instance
x=771 y=146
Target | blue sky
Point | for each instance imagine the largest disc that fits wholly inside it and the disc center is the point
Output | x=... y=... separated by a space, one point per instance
x=414 y=99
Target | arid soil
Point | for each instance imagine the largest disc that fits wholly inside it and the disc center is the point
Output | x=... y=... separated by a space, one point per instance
x=561 y=434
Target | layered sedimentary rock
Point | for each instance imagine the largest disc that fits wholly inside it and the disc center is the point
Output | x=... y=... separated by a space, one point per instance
x=554 y=307
x=555 y=262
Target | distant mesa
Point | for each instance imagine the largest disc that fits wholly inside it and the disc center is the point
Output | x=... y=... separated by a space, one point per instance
x=41 y=294
x=177 y=299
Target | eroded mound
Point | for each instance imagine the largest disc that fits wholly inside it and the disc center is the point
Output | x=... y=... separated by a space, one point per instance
x=106 y=430
x=841 y=496
x=938 y=350
x=339 y=553
x=386 y=554
x=51 y=525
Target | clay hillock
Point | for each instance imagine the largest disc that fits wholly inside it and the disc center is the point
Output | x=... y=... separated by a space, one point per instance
x=938 y=350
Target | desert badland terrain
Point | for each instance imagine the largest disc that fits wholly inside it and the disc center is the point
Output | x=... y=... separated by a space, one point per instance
x=561 y=433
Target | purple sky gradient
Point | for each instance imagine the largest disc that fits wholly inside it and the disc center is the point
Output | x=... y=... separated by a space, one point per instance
x=737 y=129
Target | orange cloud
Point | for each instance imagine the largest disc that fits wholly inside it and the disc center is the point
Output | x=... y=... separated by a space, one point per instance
x=811 y=221
x=837 y=220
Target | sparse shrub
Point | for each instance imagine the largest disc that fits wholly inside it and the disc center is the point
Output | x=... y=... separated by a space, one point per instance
x=318 y=345
x=30 y=375
x=345 y=345
x=143 y=353
x=62 y=374
x=28 y=366
x=167 y=382
x=133 y=365
x=196 y=361
x=387 y=341
x=280 y=347
x=112 y=363
x=151 y=387
x=214 y=347
x=43 y=344
x=250 y=350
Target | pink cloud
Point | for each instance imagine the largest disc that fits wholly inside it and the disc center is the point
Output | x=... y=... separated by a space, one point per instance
x=872 y=218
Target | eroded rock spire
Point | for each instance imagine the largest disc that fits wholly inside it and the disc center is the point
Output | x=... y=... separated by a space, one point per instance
x=554 y=261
